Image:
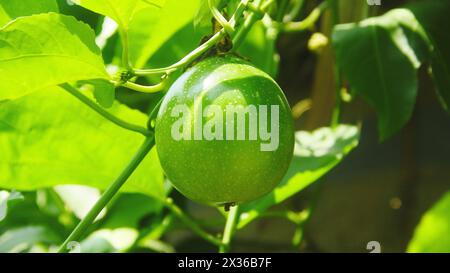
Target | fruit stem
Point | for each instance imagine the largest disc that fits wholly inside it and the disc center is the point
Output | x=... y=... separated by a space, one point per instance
x=132 y=127
x=109 y=193
x=230 y=228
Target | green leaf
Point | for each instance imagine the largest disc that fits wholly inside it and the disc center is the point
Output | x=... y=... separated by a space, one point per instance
x=385 y=44
x=6 y=197
x=129 y=209
x=18 y=240
x=150 y=30
x=11 y=9
x=431 y=235
x=109 y=240
x=104 y=91
x=50 y=138
x=315 y=154
x=46 y=50
x=256 y=48
x=203 y=16
x=381 y=66
x=434 y=16
x=121 y=11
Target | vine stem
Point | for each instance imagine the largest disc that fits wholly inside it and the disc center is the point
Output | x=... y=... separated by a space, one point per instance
x=109 y=193
x=309 y=21
x=125 y=48
x=205 y=46
x=249 y=22
x=335 y=118
x=97 y=108
x=230 y=227
x=187 y=59
x=191 y=223
x=145 y=89
x=220 y=18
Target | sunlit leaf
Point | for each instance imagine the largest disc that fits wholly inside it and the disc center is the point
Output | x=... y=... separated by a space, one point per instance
x=50 y=138
x=315 y=154
x=46 y=50
x=432 y=233
x=149 y=29
x=121 y=11
x=11 y=9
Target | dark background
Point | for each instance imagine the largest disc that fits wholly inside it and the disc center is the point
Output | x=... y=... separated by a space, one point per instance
x=379 y=192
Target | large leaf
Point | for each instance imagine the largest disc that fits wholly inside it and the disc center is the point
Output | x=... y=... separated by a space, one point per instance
x=381 y=66
x=46 y=50
x=433 y=16
x=121 y=11
x=432 y=233
x=150 y=30
x=11 y=9
x=49 y=138
x=315 y=154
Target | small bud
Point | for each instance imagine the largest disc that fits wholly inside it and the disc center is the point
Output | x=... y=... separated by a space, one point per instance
x=317 y=42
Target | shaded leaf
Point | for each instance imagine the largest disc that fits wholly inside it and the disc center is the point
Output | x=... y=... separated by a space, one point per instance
x=129 y=210
x=434 y=16
x=315 y=154
x=381 y=66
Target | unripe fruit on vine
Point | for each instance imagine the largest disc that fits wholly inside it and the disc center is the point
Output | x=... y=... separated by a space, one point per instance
x=224 y=132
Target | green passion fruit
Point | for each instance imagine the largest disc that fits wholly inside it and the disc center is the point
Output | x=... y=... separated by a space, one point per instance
x=224 y=132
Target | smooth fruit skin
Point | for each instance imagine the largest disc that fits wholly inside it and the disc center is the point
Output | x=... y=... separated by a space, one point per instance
x=218 y=172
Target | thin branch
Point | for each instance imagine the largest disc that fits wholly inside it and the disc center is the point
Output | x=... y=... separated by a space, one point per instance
x=144 y=88
x=308 y=22
x=109 y=193
x=249 y=22
x=220 y=18
x=100 y=110
x=190 y=223
x=187 y=59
